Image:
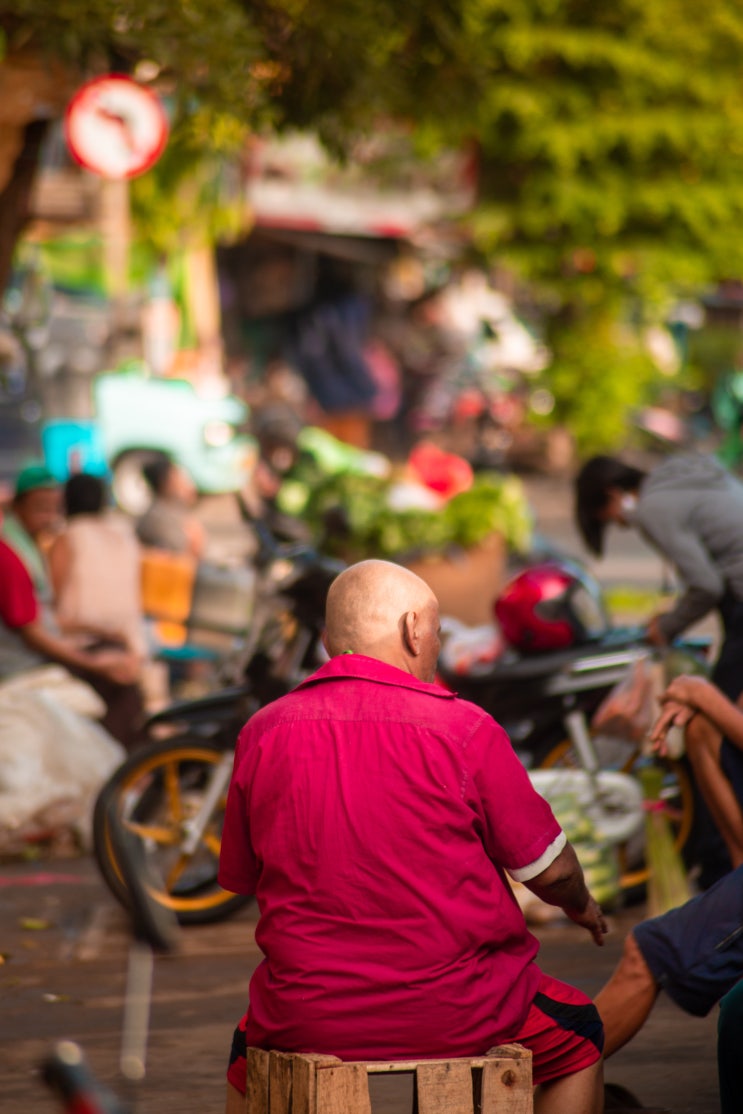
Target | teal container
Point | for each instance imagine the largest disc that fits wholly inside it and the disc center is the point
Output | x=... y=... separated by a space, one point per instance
x=73 y=446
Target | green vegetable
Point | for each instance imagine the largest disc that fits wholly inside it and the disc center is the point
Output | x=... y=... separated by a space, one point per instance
x=362 y=524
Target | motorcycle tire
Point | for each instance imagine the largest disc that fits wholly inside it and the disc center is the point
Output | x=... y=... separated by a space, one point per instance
x=154 y=791
x=678 y=795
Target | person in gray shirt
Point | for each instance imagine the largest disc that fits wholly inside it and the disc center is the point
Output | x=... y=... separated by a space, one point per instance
x=690 y=509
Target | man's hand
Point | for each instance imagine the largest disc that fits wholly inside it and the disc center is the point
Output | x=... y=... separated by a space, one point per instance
x=562 y=884
x=672 y=714
x=591 y=919
x=679 y=704
x=688 y=690
x=119 y=666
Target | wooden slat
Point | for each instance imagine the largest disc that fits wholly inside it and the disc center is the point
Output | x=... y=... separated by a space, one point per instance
x=286 y=1083
x=304 y=1087
x=444 y=1088
x=280 y=1082
x=256 y=1091
x=375 y=1067
x=342 y=1090
x=506 y=1082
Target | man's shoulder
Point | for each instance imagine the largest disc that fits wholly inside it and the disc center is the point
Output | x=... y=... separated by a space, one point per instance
x=11 y=561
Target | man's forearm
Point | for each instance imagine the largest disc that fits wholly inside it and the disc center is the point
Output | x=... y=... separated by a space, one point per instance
x=726 y=716
x=56 y=648
x=562 y=883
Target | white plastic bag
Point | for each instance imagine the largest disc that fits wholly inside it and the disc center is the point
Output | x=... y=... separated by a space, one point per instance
x=632 y=705
x=53 y=760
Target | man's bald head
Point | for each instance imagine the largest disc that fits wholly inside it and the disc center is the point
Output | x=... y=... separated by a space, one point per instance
x=386 y=612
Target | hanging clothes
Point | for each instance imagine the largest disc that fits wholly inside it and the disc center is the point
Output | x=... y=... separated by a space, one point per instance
x=326 y=347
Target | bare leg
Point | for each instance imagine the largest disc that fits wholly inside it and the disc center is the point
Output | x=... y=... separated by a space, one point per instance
x=580 y=1093
x=625 y=1002
x=703 y=743
x=235 y=1101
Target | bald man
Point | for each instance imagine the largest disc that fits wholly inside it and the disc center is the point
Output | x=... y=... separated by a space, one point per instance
x=374 y=815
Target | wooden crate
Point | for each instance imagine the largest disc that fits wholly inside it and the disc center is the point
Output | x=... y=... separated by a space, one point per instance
x=289 y=1083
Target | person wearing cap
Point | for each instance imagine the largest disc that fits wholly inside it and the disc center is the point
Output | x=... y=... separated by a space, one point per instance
x=34 y=518
x=690 y=510
x=29 y=637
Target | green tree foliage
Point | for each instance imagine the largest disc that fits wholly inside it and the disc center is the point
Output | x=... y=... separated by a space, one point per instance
x=200 y=51
x=610 y=136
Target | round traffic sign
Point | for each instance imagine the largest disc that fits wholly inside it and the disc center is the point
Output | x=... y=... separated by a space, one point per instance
x=115 y=127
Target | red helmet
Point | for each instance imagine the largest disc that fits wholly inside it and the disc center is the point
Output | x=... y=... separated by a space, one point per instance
x=550 y=606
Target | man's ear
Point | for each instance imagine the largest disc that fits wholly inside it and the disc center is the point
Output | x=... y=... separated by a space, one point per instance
x=410 y=633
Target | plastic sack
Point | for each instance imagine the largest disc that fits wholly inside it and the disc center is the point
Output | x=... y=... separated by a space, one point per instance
x=597 y=856
x=471 y=650
x=632 y=705
x=53 y=759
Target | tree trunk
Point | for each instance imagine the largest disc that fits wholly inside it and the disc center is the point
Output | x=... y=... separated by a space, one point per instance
x=16 y=195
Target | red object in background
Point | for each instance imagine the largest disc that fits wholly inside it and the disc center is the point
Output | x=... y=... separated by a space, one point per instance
x=469 y=404
x=115 y=127
x=551 y=606
x=442 y=472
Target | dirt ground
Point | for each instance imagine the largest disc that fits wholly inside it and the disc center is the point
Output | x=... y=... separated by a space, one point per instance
x=64 y=944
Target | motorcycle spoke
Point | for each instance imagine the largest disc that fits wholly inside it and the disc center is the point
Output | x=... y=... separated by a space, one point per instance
x=173 y=790
x=212 y=842
x=176 y=871
x=164 y=837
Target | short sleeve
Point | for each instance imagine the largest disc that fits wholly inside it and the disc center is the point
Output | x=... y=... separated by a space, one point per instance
x=18 y=606
x=520 y=832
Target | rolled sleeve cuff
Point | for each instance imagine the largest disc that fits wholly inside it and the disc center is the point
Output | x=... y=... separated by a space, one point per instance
x=526 y=873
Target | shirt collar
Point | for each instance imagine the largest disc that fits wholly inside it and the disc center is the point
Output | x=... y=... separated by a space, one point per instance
x=362 y=668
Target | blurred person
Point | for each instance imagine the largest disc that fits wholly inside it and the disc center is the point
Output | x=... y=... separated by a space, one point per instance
x=694 y=953
x=94 y=567
x=713 y=737
x=690 y=509
x=34 y=518
x=28 y=641
x=169 y=522
x=374 y=815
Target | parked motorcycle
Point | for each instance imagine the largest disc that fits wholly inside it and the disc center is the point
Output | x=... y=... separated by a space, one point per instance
x=171 y=791
x=560 y=659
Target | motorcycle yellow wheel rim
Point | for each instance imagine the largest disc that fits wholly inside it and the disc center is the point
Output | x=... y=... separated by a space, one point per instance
x=167 y=834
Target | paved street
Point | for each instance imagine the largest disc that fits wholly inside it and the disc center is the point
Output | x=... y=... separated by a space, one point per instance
x=64 y=944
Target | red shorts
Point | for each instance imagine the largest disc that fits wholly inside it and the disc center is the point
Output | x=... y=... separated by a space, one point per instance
x=562 y=1028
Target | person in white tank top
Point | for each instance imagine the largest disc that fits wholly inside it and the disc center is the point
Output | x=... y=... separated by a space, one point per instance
x=95 y=569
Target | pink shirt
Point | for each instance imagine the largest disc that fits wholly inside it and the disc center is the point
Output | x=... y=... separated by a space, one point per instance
x=373 y=815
